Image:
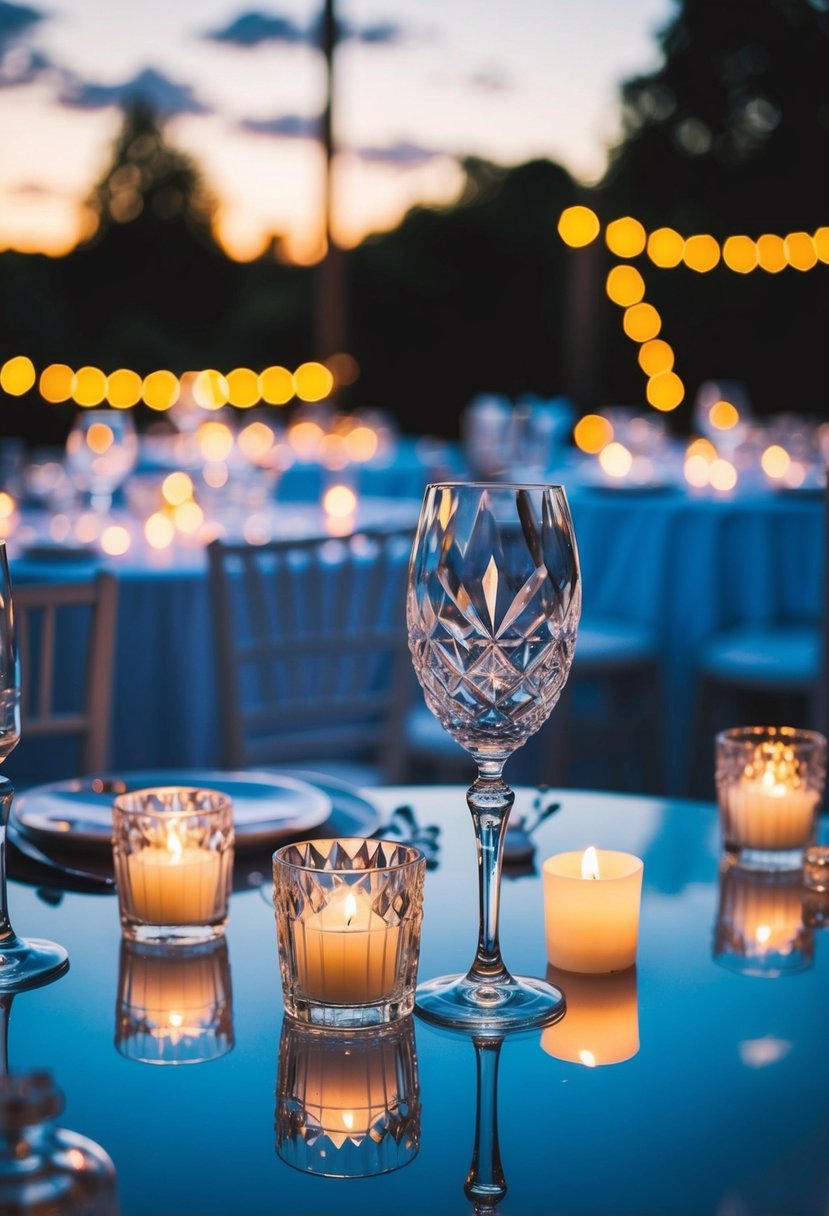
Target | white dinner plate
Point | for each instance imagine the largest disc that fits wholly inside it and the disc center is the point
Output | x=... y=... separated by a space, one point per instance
x=78 y=813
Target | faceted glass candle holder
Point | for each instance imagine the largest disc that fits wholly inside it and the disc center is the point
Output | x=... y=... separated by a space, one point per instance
x=760 y=928
x=173 y=855
x=348 y=916
x=770 y=783
x=347 y=1105
x=174 y=1006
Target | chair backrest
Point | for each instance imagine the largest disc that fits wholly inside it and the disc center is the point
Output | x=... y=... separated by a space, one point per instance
x=49 y=617
x=311 y=647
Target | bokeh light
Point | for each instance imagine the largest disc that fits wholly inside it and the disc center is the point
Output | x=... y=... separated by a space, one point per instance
x=625 y=237
x=665 y=391
x=723 y=416
x=800 y=251
x=312 y=381
x=821 y=239
x=775 y=461
x=188 y=517
x=578 y=226
x=625 y=285
x=89 y=386
x=665 y=248
x=210 y=389
x=592 y=433
x=215 y=474
x=642 y=322
x=722 y=475
x=215 y=440
x=740 y=254
x=100 y=438
x=656 y=357
x=17 y=376
x=123 y=389
x=160 y=390
x=305 y=438
x=344 y=368
x=159 y=531
x=255 y=441
x=615 y=460
x=339 y=501
x=8 y=506
x=276 y=385
x=56 y=383
x=771 y=253
x=701 y=253
x=695 y=470
x=177 y=488
x=361 y=444
x=115 y=540
x=243 y=388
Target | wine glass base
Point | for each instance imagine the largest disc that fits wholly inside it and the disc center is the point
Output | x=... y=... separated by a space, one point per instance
x=516 y=1003
x=30 y=962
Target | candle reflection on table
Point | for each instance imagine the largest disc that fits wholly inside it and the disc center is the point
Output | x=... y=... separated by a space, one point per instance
x=174 y=1007
x=601 y=1022
x=760 y=927
x=348 y=1105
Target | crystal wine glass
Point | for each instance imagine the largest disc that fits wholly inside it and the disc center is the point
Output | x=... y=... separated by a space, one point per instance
x=493 y=605
x=23 y=963
x=101 y=452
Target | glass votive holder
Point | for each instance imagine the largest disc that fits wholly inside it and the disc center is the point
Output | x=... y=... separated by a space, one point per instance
x=760 y=928
x=770 y=782
x=347 y=1105
x=174 y=1006
x=348 y=916
x=173 y=856
x=601 y=1020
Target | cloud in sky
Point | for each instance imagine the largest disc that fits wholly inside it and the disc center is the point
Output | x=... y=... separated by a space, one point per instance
x=400 y=155
x=252 y=29
x=16 y=19
x=168 y=97
x=285 y=126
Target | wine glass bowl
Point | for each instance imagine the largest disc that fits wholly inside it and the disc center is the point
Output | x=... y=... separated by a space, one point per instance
x=493 y=604
x=101 y=452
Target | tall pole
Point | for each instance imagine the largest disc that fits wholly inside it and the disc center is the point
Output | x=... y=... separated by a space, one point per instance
x=330 y=306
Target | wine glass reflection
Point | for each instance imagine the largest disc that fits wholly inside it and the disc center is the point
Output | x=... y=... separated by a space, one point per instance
x=348 y=1104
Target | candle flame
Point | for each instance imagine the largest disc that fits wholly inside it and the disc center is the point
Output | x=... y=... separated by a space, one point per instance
x=348 y=1119
x=587 y=1058
x=590 y=863
x=175 y=1018
x=763 y=933
x=174 y=845
x=350 y=908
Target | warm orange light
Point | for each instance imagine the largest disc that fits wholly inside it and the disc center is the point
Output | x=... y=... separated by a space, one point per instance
x=702 y=447
x=821 y=239
x=361 y=443
x=775 y=461
x=210 y=389
x=625 y=237
x=723 y=416
x=615 y=460
x=592 y=433
x=740 y=254
x=701 y=253
x=800 y=251
x=7 y=505
x=243 y=388
x=215 y=440
x=578 y=226
x=305 y=438
x=100 y=438
x=332 y=452
x=159 y=531
x=656 y=357
x=625 y=285
x=115 y=540
x=17 y=376
x=590 y=864
x=160 y=390
x=123 y=388
x=696 y=470
x=339 y=501
x=312 y=381
x=188 y=517
x=89 y=386
x=771 y=253
x=56 y=383
x=343 y=367
x=665 y=391
x=177 y=488
x=256 y=440
x=665 y=248
x=722 y=475
x=276 y=385
x=642 y=322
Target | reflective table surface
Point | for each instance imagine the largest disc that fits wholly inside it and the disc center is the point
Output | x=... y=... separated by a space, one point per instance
x=695 y=1084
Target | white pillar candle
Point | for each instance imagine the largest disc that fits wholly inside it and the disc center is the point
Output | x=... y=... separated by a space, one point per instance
x=346 y=954
x=601 y=1023
x=592 y=910
x=174 y=882
x=769 y=809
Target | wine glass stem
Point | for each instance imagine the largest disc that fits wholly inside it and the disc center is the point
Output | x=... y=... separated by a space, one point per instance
x=489 y=799
x=6 y=796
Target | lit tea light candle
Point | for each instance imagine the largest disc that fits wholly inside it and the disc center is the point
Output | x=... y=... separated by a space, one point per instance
x=601 y=1023
x=592 y=910
x=174 y=882
x=770 y=807
x=346 y=954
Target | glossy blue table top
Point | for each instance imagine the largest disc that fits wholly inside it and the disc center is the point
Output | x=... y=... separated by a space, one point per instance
x=722 y=1110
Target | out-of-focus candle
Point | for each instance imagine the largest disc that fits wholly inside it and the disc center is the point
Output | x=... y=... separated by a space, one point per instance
x=174 y=883
x=601 y=1023
x=592 y=910
x=346 y=954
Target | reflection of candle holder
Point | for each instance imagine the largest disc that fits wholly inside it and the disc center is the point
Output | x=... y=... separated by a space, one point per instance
x=601 y=1022
x=770 y=782
x=173 y=855
x=347 y=1105
x=174 y=1007
x=760 y=928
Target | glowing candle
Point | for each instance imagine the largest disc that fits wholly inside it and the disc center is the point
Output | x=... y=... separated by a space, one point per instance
x=770 y=807
x=592 y=910
x=601 y=1023
x=174 y=883
x=346 y=954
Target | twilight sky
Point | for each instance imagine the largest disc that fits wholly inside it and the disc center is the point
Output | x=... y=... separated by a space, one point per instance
x=420 y=83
